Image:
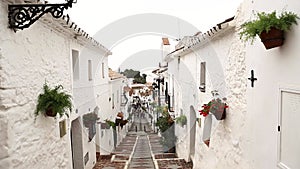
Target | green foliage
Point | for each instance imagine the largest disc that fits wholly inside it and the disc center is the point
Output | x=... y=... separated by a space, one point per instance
x=165 y=121
x=181 y=120
x=111 y=123
x=130 y=73
x=153 y=104
x=265 y=21
x=53 y=100
x=166 y=128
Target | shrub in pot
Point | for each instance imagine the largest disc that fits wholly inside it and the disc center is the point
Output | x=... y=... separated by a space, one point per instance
x=270 y=27
x=53 y=101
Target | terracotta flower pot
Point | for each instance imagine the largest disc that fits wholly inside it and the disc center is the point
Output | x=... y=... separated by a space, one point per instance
x=220 y=115
x=219 y=110
x=273 y=38
x=49 y=112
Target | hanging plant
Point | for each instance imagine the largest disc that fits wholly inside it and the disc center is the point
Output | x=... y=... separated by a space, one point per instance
x=181 y=120
x=52 y=102
x=216 y=106
x=89 y=119
x=111 y=123
x=270 y=27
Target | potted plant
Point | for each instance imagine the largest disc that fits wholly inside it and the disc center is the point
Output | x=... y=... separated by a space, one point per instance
x=216 y=106
x=111 y=123
x=52 y=102
x=269 y=27
x=104 y=125
x=181 y=120
x=90 y=118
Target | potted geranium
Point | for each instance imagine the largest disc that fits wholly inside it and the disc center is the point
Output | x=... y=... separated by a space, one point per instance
x=53 y=101
x=270 y=27
x=216 y=106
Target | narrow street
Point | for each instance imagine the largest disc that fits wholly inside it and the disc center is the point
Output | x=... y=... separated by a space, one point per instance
x=140 y=149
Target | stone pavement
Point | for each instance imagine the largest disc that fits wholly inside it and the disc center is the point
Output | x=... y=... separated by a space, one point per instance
x=119 y=157
x=142 y=158
x=141 y=149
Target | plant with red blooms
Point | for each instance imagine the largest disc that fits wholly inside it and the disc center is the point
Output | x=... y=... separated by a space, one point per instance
x=206 y=108
x=216 y=106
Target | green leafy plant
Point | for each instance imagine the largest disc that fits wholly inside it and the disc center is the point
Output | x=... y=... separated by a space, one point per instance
x=111 y=123
x=53 y=101
x=265 y=21
x=167 y=130
x=181 y=120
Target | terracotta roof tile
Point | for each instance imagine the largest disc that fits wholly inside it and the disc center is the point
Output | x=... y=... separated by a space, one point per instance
x=165 y=41
x=114 y=75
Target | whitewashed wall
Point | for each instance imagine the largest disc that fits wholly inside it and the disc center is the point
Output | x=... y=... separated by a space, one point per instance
x=106 y=138
x=87 y=93
x=28 y=58
x=275 y=69
x=225 y=72
x=248 y=137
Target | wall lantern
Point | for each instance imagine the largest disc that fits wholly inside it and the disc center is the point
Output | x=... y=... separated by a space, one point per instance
x=21 y=16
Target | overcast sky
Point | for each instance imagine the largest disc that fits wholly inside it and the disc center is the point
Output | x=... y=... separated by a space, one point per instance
x=94 y=15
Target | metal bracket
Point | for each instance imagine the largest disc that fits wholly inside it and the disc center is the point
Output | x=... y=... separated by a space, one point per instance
x=21 y=16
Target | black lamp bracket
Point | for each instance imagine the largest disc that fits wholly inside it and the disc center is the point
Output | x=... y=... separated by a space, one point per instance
x=21 y=16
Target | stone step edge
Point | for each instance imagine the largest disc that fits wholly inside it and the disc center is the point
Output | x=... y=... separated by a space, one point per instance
x=170 y=159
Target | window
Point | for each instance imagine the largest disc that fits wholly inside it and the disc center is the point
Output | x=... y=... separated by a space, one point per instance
x=113 y=101
x=117 y=96
x=62 y=128
x=202 y=76
x=90 y=70
x=75 y=64
x=103 y=73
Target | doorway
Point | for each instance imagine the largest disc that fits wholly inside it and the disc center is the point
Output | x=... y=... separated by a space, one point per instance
x=192 y=132
x=76 y=144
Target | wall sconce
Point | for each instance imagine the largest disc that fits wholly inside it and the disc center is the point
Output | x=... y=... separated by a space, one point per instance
x=21 y=16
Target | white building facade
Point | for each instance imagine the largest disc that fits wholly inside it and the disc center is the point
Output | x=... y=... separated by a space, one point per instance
x=55 y=51
x=260 y=130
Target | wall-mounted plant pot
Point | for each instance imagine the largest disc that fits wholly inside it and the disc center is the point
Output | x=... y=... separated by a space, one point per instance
x=50 y=113
x=274 y=38
x=220 y=115
x=104 y=126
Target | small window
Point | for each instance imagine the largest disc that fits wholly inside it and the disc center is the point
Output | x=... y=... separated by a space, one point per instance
x=90 y=70
x=202 y=76
x=103 y=72
x=62 y=128
x=117 y=96
x=75 y=64
x=113 y=101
